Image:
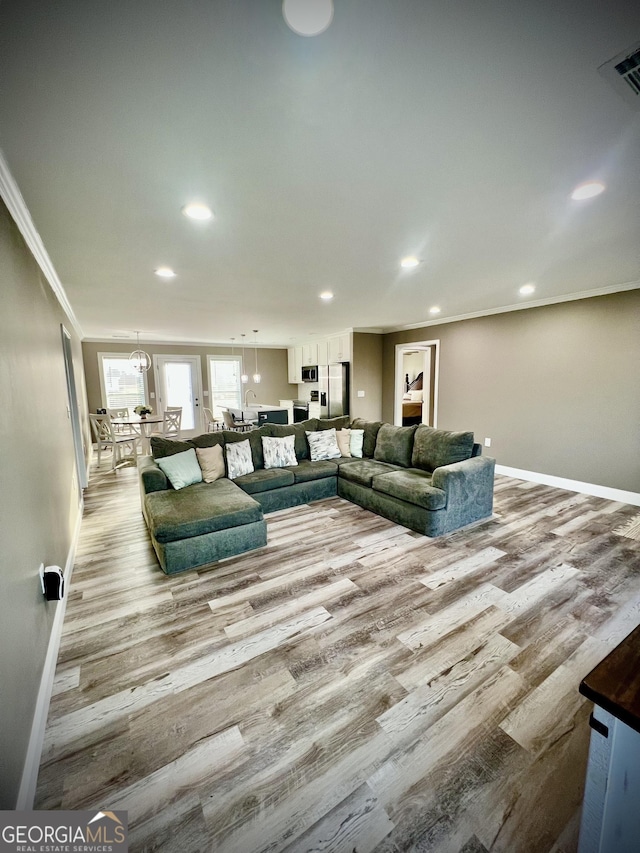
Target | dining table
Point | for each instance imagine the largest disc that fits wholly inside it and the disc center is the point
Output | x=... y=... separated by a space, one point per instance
x=142 y=426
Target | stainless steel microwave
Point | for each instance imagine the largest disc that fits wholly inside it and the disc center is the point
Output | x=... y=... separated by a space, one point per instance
x=310 y=374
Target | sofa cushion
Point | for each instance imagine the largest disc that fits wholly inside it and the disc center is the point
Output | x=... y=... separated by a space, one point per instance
x=201 y=508
x=371 y=429
x=323 y=445
x=208 y=439
x=413 y=486
x=306 y=471
x=161 y=447
x=239 y=460
x=363 y=471
x=211 y=461
x=278 y=452
x=265 y=479
x=394 y=445
x=298 y=430
x=254 y=436
x=333 y=423
x=343 y=437
x=435 y=447
x=182 y=469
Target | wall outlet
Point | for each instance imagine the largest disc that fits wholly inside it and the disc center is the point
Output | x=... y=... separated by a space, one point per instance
x=41 y=573
x=487 y=442
x=360 y=393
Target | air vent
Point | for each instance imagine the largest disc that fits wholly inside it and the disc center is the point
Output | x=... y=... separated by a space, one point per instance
x=623 y=73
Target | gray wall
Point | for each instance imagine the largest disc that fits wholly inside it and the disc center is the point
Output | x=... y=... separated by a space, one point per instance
x=556 y=388
x=366 y=375
x=39 y=499
x=272 y=364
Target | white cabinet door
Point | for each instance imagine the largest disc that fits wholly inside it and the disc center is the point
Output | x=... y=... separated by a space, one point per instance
x=291 y=366
x=340 y=348
x=323 y=351
x=310 y=354
x=298 y=360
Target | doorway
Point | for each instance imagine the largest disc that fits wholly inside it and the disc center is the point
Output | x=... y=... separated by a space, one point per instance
x=73 y=410
x=417 y=364
x=179 y=383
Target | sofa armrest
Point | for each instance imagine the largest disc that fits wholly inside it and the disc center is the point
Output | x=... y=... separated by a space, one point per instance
x=152 y=477
x=468 y=486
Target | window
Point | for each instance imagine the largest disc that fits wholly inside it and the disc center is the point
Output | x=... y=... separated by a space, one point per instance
x=224 y=383
x=122 y=385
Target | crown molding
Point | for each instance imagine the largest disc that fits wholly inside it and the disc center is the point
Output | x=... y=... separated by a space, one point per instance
x=536 y=303
x=19 y=211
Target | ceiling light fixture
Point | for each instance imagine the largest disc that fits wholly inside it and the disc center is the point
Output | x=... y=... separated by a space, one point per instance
x=327 y=296
x=588 y=190
x=244 y=378
x=527 y=289
x=308 y=17
x=409 y=262
x=256 y=376
x=165 y=272
x=197 y=211
x=434 y=310
x=140 y=360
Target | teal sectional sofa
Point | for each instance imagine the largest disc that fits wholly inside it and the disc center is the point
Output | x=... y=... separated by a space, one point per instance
x=431 y=481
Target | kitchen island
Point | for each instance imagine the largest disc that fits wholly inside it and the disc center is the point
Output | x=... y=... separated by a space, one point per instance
x=260 y=413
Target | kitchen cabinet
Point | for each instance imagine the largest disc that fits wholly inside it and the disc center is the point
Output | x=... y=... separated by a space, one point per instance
x=340 y=348
x=323 y=351
x=288 y=405
x=294 y=365
x=310 y=354
x=610 y=820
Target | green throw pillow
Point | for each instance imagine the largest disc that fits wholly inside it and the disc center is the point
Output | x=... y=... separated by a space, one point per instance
x=182 y=469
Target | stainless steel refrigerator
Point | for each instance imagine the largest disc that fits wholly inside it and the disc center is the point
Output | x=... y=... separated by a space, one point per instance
x=333 y=385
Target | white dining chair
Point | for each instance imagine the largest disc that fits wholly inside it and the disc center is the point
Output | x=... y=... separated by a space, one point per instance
x=210 y=421
x=171 y=424
x=106 y=438
x=231 y=423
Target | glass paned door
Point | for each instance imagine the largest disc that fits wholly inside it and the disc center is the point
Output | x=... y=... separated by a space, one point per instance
x=178 y=383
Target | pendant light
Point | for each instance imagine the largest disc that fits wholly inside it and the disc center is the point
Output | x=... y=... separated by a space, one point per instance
x=140 y=360
x=256 y=376
x=244 y=378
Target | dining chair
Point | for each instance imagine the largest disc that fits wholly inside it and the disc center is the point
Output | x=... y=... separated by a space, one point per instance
x=123 y=429
x=231 y=423
x=210 y=420
x=106 y=438
x=171 y=425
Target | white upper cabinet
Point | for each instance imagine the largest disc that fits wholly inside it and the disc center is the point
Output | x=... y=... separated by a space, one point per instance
x=294 y=364
x=310 y=354
x=323 y=351
x=340 y=348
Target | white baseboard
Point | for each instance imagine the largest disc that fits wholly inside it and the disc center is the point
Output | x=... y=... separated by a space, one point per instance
x=27 y=792
x=572 y=485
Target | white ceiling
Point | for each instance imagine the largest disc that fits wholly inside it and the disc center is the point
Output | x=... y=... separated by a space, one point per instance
x=455 y=131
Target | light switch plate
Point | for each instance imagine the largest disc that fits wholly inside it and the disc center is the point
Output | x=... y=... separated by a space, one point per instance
x=360 y=393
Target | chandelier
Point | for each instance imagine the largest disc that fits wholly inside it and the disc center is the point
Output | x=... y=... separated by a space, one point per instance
x=140 y=360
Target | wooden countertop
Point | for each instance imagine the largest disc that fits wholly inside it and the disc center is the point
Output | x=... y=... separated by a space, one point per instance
x=615 y=683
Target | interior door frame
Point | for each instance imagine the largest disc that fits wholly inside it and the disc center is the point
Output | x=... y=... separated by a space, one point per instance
x=400 y=349
x=196 y=372
x=73 y=410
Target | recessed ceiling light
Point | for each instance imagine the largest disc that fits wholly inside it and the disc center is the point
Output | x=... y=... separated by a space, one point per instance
x=526 y=289
x=588 y=190
x=409 y=262
x=165 y=272
x=434 y=310
x=308 y=17
x=197 y=211
x=326 y=295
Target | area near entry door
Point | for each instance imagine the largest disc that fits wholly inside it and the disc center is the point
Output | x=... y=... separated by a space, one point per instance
x=179 y=383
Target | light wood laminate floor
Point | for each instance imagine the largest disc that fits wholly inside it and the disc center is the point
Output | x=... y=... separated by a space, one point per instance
x=352 y=686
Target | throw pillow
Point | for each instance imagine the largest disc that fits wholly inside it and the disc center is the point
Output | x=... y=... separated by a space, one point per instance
x=323 y=445
x=211 y=461
x=182 y=469
x=416 y=396
x=239 y=459
x=356 y=442
x=279 y=452
x=343 y=437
